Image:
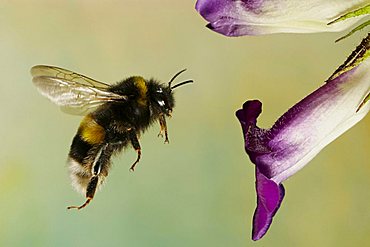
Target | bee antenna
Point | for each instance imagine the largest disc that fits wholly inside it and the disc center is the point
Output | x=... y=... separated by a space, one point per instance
x=182 y=83
x=174 y=77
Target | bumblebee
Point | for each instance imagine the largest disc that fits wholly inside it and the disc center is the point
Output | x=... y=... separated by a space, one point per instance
x=114 y=118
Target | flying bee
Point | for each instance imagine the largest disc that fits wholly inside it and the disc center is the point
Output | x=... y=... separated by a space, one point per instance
x=114 y=117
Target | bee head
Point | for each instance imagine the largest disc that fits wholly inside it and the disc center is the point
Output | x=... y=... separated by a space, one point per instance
x=162 y=96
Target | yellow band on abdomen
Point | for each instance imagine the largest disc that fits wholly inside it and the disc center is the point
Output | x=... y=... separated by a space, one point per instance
x=91 y=131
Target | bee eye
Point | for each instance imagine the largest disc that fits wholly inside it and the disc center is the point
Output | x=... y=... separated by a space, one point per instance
x=161 y=102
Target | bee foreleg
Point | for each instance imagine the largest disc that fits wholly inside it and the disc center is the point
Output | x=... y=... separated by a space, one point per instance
x=162 y=123
x=136 y=145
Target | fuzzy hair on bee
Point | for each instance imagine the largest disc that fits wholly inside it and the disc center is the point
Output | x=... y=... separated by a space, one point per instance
x=114 y=118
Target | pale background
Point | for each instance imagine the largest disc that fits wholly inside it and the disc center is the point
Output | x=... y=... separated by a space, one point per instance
x=199 y=189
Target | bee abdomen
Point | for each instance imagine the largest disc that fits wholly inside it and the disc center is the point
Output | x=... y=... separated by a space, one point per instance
x=89 y=134
x=84 y=151
x=87 y=161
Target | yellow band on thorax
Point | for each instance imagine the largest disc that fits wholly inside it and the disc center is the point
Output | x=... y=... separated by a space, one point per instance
x=142 y=88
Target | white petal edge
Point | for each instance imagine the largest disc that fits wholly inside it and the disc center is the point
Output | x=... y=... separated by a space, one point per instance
x=333 y=132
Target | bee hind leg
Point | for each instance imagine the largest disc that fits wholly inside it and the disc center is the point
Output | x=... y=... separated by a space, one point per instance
x=136 y=145
x=101 y=158
x=82 y=206
x=90 y=192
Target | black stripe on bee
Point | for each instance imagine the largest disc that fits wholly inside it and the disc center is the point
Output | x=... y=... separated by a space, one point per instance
x=79 y=149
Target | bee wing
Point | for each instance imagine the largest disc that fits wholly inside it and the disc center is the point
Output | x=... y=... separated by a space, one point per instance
x=74 y=97
x=52 y=71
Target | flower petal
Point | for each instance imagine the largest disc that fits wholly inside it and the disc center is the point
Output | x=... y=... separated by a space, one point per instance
x=269 y=197
x=310 y=125
x=256 y=17
x=254 y=137
x=304 y=130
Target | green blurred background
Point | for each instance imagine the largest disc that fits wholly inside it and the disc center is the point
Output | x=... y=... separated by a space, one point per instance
x=199 y=189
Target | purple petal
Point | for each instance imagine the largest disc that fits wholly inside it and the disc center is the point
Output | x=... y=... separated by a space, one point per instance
x=269 y=198
x=255 y=138
x=221 y=19
x=249 y=114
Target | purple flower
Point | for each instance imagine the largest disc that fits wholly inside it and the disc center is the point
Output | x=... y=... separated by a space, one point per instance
x=256 y=17
x=305 y=129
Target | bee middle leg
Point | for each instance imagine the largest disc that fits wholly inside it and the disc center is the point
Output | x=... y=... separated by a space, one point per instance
x=136 y=145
